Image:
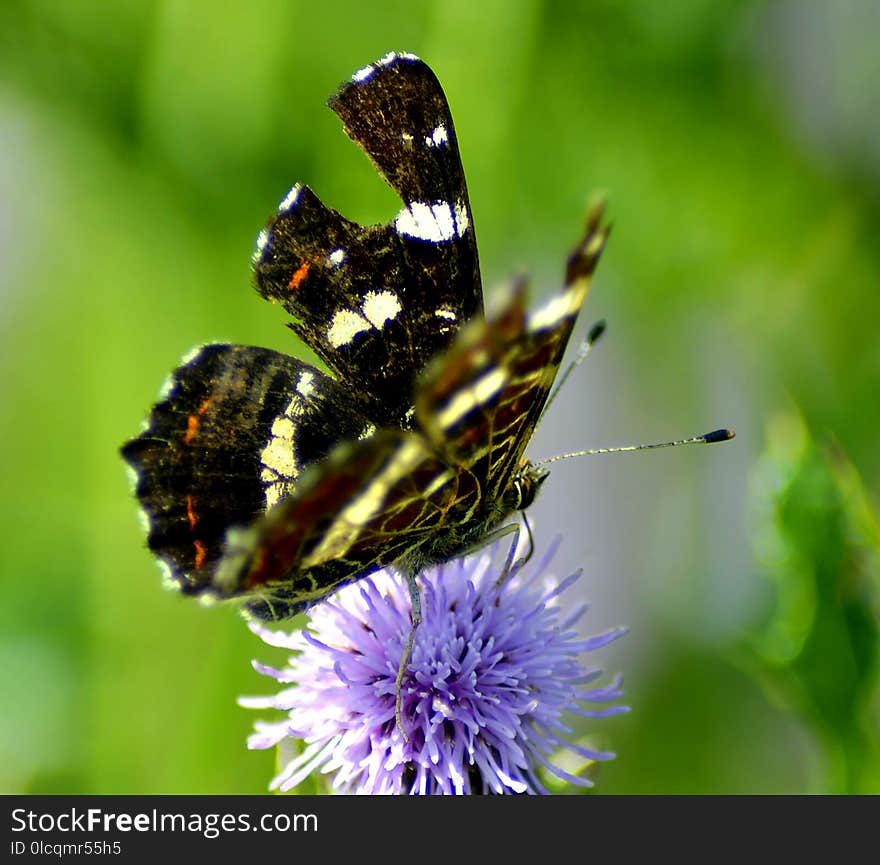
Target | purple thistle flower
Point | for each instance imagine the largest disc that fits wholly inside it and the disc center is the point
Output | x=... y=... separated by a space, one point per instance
x=492 y=673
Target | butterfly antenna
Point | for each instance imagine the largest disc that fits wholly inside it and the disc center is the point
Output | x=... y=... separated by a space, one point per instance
x=596 y=331
x=718 y=435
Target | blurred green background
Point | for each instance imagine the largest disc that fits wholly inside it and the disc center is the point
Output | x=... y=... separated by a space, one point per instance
x=143 y=145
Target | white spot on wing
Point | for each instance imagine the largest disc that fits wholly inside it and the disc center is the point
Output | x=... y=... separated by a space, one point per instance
x=306 y=384
x=391 y=56
x=367 y=71
x=282 y=428
x=262 y=240
x=337 y=257
x=551 y=313
x=481 y=392
x=278 y=460
x=167 y=573
x=290 y=199
x=346 y=325
x=133 y=476
x=144 y=521
x=438 y=138
x=438 y=483
x=168 y=385
x=193 y=353
x=434 y=222
x=171 y=381
x=380 y=307
x=364 y=73
x=445 y=312
x=278 y=456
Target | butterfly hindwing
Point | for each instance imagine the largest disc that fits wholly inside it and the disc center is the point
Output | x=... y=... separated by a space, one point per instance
x=236 y=427
x=376 y=303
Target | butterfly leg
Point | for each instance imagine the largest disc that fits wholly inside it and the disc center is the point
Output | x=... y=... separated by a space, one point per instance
x=488 y=540
x=497 y=535
x=416 y=599
x=511 y=565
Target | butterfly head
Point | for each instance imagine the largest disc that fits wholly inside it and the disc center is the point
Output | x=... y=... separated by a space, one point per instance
x=524 y=486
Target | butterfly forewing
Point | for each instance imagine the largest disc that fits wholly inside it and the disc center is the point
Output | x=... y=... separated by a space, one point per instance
x=397 y=113
x=481 y=401
x=376 y=303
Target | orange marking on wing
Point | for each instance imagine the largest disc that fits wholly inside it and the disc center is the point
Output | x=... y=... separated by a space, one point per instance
x=192 y=429
x=192 y=422
x=299 y=276
x=201 y=554
x=191 y=512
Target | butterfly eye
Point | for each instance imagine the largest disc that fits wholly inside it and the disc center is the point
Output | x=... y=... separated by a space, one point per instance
x=523 y=491
x=526 y=493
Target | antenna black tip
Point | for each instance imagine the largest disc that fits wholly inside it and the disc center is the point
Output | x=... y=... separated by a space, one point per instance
x=718 y=435
x=596 y=331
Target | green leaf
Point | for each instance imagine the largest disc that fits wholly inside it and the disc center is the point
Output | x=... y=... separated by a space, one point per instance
x=818 y=539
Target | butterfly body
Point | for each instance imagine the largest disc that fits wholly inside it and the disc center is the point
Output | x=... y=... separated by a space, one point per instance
x=269 y=480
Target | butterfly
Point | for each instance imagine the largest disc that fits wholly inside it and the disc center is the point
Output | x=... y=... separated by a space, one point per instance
x=267 y=479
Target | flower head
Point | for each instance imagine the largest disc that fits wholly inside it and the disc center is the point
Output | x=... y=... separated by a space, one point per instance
x=494 y=669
